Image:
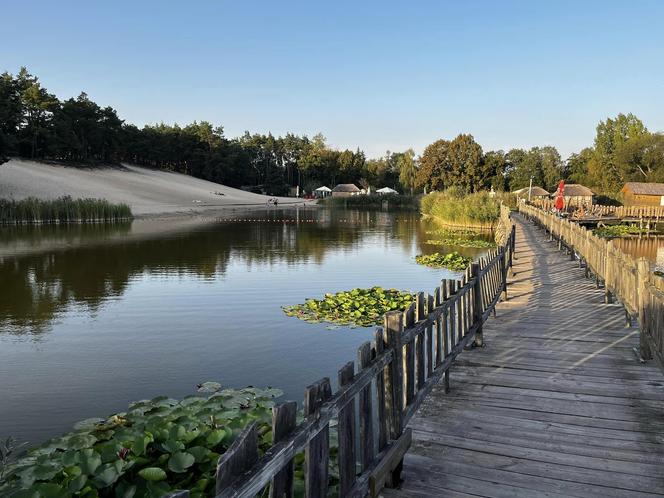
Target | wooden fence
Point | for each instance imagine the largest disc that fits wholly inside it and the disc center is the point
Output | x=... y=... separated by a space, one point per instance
x=599 y=211
x=624 y=277
x=374 y=402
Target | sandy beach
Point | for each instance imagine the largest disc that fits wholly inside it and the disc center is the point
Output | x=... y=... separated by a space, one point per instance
x=150 y=193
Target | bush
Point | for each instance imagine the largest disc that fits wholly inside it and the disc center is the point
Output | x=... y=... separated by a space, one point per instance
x=61 y=210
x=456 y=208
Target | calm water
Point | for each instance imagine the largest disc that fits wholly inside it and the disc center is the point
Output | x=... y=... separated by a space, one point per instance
x=94 y=317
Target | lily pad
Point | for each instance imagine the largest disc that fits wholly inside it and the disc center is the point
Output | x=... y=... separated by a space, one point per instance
x=451 y=261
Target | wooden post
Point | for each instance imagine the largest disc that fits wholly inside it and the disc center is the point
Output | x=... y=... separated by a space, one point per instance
x=420 y=366
x=477 y=308
x=346 y=434
x=377 y=348
x=445 y=333
x=239 y=458
x=429 y=333
x=283 y=422
x=394 y=380
x=409 y=359
x=503 y=271
x=365 y=411
x=317 y=451
x=644 y=274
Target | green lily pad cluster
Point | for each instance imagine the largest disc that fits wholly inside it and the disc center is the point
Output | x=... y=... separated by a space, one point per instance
x=362 y=307
x=155 y=446
x=460 y=238
x=451 y=261
x=615 y=231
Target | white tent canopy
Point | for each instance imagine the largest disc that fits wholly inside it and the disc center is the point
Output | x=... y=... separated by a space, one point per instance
x=323 y=189
x=386 y=190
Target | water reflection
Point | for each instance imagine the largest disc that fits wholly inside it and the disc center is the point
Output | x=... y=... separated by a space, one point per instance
x=651 y=248
x=46 y=269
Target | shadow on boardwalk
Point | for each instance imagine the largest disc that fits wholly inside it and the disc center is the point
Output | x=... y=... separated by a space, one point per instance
x=554 y=405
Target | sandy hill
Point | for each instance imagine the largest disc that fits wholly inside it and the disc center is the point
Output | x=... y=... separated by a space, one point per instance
x=147 y=191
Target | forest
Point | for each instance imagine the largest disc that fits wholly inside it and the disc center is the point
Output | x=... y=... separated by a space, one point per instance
x=36 y=124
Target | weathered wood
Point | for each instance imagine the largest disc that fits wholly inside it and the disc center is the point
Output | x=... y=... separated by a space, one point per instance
x=394 y=373
x=477 y=308
x=365 y=411
x=409 y=356
x=346 y=434
x=384 y=472
x=429 y=337
x=283 y=423
x=239 y=458
x=383 y=427
x=317 y=451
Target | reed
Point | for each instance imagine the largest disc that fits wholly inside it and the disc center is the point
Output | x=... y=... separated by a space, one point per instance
x=61 y=210
x=372 y=201
x=453 y=207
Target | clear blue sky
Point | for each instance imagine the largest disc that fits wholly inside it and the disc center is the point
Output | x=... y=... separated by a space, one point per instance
x=371 y=74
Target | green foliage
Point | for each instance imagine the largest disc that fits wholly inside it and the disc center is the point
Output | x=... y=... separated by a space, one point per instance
x=363 y=307
x=615 y=231
x=453 y=207
x=373 y=201
x=62 y=210
x=156 y=446
x=460 y=238
x=451 y=261
x=542 y=164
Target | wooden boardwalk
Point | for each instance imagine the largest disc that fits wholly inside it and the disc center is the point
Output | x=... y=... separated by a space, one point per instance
x=555 y=404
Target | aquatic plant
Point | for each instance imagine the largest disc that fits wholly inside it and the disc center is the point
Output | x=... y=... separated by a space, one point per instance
x=451 y=261
x=363 y=307
x=615 y=231
x=155 y=446
x=61 y=210
x=460 y=238
x=456 y=208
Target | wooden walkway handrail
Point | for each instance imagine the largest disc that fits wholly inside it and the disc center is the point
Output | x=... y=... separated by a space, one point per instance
x=627 y=279
x=408 y=356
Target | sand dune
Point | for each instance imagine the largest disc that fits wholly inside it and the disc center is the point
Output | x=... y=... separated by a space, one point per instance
x=148 y=192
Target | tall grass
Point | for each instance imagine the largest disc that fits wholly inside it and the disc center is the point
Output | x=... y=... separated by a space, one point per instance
x=452 y=207
x=61 y=210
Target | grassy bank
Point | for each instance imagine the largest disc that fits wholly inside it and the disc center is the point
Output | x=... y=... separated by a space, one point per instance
x=373 y=201
x=62 y=210
x=453 y=208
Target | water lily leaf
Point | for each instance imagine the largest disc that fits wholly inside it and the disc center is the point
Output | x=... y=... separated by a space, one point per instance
x=171 y=446
x=180 y=461
x=77 y=483
x=141 y=444
x=125 y=490
x=107 y=474
x=89 y=461
x=88 y=423
x=215 y=437
x=209 y=387
x=200 y=453
x=81 y=441
x=152 y=474
x=51 y=490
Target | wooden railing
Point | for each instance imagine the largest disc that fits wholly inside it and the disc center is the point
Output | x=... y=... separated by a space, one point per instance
x=374 y=402
x=624 y=277
x=601 y=211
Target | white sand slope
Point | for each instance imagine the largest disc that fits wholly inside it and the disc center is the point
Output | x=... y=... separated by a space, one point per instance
x=146 y=191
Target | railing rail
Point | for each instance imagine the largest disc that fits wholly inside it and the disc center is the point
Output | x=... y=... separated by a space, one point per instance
x=408 y=356
x=625 y=278
x=599 y=211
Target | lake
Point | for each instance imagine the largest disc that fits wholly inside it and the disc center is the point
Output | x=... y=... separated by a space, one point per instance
x=94 y=317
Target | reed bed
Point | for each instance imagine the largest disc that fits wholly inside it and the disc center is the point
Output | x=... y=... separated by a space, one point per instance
x=372 y=201
x=61 y=210
x=454 y=208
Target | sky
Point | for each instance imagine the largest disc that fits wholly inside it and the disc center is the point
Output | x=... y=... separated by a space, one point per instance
x=378 y=75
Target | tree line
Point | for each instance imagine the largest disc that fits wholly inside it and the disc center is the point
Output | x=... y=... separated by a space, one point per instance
x=36 y=124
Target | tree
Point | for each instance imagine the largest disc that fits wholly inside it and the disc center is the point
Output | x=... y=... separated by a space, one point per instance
x=433 y=162
x=37 y=106
x=407 y=170
x=496 y=166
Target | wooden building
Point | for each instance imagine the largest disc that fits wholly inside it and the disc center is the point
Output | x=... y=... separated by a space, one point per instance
x=578 y=195
x=345 y=190
x=643 y=194
x=537 y=193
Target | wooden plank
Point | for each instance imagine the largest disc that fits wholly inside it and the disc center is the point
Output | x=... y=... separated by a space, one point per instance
x=283 y=423
x=383 y=473
x=346 y=435
x=317 y=451
x=365 y=411
x=239 y=458
x=377 y=346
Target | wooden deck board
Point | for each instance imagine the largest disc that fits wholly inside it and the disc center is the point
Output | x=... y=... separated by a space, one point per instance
x=555 y=403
